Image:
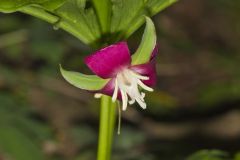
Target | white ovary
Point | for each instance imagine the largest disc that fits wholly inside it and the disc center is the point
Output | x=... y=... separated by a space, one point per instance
x=128 y=83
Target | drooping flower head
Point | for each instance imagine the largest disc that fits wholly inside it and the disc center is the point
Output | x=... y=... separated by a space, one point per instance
x=118 y=74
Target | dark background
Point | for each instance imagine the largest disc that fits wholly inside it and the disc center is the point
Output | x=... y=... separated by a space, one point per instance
x=195 y=105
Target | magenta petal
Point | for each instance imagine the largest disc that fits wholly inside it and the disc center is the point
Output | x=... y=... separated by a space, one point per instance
x=148 y=69
x=108 y=61
x=109 y=89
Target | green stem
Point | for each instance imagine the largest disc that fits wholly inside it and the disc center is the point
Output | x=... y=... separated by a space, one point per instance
x=112 y=120
x=107 y=123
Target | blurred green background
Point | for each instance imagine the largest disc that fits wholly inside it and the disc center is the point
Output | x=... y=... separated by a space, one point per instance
x=193 y=114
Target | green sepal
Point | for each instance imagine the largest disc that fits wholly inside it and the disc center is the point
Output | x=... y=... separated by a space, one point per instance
x=147 y=45
x=8 y=6
x=83 y=81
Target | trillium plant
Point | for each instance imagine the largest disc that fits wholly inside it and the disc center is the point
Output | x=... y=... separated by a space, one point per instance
x=118 y=75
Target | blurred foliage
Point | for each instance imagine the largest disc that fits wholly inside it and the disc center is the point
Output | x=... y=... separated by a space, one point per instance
x=212 y=155
x=237 y=156
x=209 y=155
x=195 y=105
x=20 y=135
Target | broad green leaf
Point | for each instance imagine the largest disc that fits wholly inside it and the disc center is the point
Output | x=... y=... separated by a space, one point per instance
x=82 y=81
x=124 y=13
x=17 y=145
x=82 y=19
x=103 y=10
x=148 y=43
x=8 y=6
x=128 y=15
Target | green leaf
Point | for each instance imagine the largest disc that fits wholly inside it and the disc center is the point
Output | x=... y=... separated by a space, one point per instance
x=124 y=13
x=148 y=43
x=103 y=10
x=17 y=145
x=82 y=81
x=128 y=15
x=82 y=19
x=9 y=6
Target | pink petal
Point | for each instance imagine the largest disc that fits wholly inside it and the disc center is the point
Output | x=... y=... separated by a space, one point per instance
x=107 y=62
x=109 y=89
x=148 y=69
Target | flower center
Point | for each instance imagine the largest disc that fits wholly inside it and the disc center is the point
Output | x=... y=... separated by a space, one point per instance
x=128 y=83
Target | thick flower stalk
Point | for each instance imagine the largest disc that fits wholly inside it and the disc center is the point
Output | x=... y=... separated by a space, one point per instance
x=117 y=73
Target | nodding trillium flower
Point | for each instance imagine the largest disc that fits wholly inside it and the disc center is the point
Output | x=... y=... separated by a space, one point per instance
x=118 y=74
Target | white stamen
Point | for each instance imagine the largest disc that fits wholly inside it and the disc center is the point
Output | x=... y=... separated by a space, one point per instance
x=97 y=95
x=119 y=120
x=124 y=100
x=115 y=93
x=140 y=76
x=144 y=86
x=128 y=82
